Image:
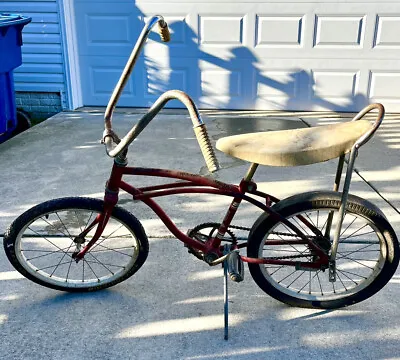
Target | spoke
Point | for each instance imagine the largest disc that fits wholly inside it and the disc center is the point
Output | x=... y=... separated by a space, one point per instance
x=48 y=251
x=311 y=221
x=296 y=250
x=280 y=237
x=64 y=225
x=351 y=273
x=100 y=263
x=118 y=266
x=88 y=221
x=47 y=240
x=77 y=218
x=341 y=281
x=319 y=281
x=98 y=279
x=280 y=267
x=270 y=266
x=308 y=283
x=102 y=240
x=325 y=223
x=69 y=268
x=130 y=235
x=348 y=227
x=48 y=267
x=287 y=276
x=355 y=259
x=358 y=235
x=45 y=220
x=296 y=279
x=357 y=262
x=355 y=232
x=34 y=236
x=109 y=236
x=119 y=252
x=360 y=251
x=365 y=247
x=121 y=248
x=300 y=224
x=60 y=261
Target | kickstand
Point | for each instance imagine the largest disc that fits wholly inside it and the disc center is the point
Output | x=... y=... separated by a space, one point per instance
x=226 y=308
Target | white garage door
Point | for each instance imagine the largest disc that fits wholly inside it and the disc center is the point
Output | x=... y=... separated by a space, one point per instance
x=290 y=55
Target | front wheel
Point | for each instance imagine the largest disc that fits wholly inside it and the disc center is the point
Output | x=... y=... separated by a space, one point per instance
x=41 y=242
x=367 y=257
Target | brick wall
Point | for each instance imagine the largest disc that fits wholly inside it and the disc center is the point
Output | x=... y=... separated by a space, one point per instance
x=39 y=105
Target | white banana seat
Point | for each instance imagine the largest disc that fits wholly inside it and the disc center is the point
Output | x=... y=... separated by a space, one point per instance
x=295 y=147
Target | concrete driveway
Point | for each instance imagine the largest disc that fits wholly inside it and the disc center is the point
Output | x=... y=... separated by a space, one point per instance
x=173 y=307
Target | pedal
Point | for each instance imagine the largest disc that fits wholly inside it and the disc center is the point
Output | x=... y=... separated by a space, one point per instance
x=235 y=267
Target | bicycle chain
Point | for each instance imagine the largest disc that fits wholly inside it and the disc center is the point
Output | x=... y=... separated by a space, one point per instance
x=248 y=229
x=273 y=232
x=285 y=257
x=239 y=227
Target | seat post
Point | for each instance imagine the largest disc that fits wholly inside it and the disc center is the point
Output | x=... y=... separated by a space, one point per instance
x=339 y=171
x=250 y=173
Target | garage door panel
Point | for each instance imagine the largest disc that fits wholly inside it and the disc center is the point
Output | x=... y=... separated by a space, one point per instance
x=103 y=74
x=107 y=30
x=279 y=31
x=384 y=87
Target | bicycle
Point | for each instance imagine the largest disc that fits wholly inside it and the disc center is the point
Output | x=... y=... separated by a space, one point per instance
x=319 y=249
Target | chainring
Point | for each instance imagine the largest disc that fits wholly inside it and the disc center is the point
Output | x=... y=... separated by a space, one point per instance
x=206 y=231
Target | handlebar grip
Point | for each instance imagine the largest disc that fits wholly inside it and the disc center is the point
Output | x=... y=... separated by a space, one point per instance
x=164 y=31
x=206 y=147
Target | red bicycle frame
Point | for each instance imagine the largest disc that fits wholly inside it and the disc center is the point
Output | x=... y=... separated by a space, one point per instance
x=191 y=184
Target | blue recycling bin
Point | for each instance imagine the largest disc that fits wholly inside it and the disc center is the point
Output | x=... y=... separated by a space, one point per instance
x=11 y=26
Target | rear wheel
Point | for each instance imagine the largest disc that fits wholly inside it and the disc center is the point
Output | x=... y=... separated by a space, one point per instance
x=41 y=242
x=367 y=256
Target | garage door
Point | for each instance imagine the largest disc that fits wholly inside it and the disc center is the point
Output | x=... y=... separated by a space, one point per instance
x=290 y=55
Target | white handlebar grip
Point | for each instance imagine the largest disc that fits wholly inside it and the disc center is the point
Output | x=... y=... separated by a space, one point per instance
x=206 y=147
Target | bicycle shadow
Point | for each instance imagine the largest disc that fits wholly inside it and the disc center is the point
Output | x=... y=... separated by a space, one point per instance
x=245 y=78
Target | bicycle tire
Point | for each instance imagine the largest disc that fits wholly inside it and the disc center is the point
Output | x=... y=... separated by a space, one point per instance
x=358 y=278
x=28 y=247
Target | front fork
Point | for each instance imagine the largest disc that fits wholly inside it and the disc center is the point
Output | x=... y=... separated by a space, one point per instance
x=110 y=200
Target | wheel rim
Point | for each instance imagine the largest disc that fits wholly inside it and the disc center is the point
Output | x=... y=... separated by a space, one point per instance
x=44 y=248
x=360 y=258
